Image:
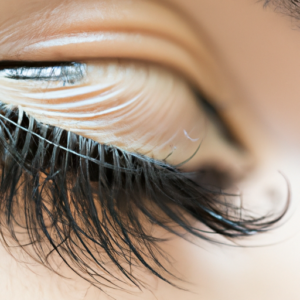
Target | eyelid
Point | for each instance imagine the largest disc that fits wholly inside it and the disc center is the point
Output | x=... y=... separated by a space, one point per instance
x=137 y=107
x=69 y=93
x=229 y=115
x=132 y=31
x=82 y=47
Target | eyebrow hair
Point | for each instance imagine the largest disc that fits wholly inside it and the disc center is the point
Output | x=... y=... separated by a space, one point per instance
x=290 y=8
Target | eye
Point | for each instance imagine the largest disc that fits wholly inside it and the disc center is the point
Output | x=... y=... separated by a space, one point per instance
x=112 y=137
x=89 y=150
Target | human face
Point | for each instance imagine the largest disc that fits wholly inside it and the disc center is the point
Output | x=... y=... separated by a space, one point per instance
x=244 y=59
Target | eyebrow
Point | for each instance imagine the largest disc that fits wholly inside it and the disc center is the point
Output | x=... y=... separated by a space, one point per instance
x=287 y=7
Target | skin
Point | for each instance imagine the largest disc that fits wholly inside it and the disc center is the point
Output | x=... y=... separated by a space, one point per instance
x=242 y=56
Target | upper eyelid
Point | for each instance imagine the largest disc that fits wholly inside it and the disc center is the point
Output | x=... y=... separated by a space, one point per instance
x=201 y=69
x=137 y=21
x=201 y=64
x=65 y=109
x=219 y=88
x=230 y=125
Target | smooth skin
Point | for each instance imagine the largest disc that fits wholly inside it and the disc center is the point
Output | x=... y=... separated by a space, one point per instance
x=246 y=59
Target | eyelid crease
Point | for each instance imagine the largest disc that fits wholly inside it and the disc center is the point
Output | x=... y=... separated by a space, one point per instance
x=68 y=92
x=200 y=69
x=50 y=109
x=85 y=90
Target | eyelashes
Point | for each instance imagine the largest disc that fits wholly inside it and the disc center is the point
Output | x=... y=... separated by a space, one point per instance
x=92 y=203
x=92 y=212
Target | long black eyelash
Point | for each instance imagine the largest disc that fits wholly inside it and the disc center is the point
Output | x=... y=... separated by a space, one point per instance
x=90 y=202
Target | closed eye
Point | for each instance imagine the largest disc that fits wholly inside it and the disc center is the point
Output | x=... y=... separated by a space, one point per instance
x=101 y=153
x=79 y=180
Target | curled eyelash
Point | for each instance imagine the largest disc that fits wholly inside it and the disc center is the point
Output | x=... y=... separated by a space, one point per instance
x=93 y=204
